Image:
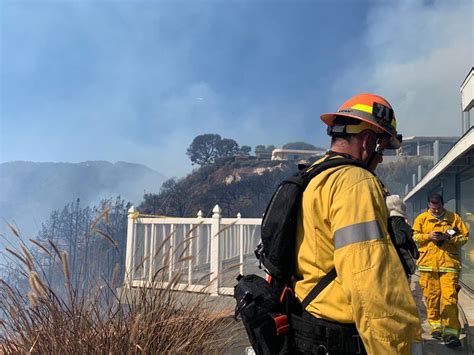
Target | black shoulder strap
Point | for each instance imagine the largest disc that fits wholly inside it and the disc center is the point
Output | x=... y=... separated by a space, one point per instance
x=321 y=285
x=311 y=173
x=329 y=163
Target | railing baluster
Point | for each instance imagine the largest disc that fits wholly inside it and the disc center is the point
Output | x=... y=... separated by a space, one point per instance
x=208 y=251
x=171 y=252
x=152 y=253
x=190 y=254
x=145 y=252
x=241 y=245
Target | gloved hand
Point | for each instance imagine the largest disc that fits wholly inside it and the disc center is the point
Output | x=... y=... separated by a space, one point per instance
x=438 y=237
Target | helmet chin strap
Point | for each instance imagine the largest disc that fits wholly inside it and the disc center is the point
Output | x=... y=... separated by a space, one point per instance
x=378 y=150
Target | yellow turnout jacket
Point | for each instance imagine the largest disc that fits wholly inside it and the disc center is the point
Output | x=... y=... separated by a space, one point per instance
x=342 y=223
x=447 y=256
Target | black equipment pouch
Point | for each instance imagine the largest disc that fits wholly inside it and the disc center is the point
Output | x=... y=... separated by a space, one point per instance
x=319 y=336
x=266 y=324
x=268 y=311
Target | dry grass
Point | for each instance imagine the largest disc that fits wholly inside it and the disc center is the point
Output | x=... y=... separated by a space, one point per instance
x=102 y=320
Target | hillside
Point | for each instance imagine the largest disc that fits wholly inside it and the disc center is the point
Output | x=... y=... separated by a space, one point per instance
x=398 y=174
x=246 y=186
x=237 y=186
x=31 y=191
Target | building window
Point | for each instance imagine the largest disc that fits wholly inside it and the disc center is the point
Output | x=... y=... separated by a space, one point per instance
x=408 y=149
x=465 y=208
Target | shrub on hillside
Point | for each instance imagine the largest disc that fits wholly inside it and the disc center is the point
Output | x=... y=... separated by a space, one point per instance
x=397 y=175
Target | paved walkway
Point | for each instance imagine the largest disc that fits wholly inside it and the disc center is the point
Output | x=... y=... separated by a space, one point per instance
x=466 y=317
x=430 y=346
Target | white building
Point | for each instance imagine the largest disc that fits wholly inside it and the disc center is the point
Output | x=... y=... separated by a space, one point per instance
x=295 y=154
x=453 y=177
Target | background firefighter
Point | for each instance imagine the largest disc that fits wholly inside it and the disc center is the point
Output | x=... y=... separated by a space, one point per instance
x=440 y=234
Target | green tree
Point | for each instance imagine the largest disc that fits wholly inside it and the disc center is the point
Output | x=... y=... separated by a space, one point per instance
x=94 y=238
x=203 y=150
x=172 y=200
x=206 y=148
x=260 y=149
x=227 y=148
x=245 y=149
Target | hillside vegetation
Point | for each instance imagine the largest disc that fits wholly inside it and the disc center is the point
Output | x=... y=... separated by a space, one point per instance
x=243 y=186
x=398 y=174
x=246 y=186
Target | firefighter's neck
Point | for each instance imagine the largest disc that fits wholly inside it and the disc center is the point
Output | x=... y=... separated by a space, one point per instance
x=361 y=147
x=347 y=148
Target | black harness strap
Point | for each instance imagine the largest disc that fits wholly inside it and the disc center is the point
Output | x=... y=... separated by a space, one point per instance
x=321 y=285
x=313 y=171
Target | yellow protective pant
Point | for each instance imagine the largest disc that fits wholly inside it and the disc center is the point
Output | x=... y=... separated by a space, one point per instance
x=440 y=290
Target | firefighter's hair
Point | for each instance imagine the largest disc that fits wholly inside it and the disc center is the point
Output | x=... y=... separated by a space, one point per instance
x=435 y=198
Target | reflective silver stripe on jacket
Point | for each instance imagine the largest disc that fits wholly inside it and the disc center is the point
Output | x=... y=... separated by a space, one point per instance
x=356 y=233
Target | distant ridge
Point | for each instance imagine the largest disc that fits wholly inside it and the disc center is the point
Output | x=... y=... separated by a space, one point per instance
x=30 y=191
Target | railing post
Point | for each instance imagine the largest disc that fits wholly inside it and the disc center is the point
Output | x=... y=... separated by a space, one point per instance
x=200 y=250
x=241 y=245
x=132 y=215
x=215 y=255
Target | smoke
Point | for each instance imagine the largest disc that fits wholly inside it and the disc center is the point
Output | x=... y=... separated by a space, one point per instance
x=417 y=56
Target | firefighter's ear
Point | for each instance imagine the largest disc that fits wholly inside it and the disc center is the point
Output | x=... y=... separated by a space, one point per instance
x=368 y=140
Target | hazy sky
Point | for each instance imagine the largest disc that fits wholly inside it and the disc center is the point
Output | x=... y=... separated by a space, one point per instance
x=138 y=80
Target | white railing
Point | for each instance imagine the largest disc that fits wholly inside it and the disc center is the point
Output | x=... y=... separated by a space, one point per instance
x=193 y=254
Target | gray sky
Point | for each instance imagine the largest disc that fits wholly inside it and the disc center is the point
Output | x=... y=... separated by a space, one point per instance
x=138 y=80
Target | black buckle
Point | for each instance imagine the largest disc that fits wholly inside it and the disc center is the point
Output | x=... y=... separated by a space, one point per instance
x=357 y=340
x=243 y=302
x=336 y=131
x=322 y=350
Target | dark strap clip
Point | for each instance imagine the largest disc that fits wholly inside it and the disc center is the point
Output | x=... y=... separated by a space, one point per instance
x=244 y=301
x=357 y=339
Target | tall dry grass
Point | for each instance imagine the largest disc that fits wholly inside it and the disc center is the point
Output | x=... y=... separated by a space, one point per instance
x=99 y=319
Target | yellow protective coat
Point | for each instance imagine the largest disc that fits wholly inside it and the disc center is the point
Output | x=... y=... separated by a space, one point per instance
x=439 y=267
x=343 y=224
x=446 y=258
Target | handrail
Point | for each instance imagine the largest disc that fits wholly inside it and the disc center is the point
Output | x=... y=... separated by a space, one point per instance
x=196 y=254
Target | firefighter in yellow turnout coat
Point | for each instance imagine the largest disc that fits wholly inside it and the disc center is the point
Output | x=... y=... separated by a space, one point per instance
x=342 y=224
x=440 y=234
